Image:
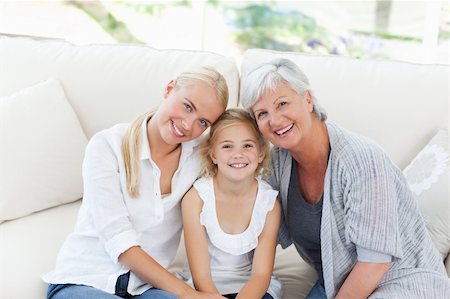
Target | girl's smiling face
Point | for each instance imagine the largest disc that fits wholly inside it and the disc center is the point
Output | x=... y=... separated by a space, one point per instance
x=236 y=152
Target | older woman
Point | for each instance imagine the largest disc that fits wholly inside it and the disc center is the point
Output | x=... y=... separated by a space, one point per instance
x=346 y=207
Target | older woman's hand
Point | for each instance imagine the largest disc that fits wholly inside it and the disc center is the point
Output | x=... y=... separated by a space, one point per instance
x=362 y=280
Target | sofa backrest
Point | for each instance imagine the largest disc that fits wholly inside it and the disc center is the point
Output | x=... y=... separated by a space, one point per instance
x=105 y=84
x=399 y=105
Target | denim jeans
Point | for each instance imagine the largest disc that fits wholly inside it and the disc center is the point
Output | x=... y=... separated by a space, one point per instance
x=75 y=291
x=317 y=292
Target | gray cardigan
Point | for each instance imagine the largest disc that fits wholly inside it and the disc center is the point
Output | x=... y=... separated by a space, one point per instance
x=367 y=202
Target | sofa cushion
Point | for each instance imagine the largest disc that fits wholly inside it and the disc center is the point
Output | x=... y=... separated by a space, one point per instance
x=29 y=247
x=105 y=84
x=296 y=275
x=428 y=176
x=400 y=105
x=41 y=152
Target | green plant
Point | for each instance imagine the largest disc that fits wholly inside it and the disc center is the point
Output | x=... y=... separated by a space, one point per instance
x=272 y=27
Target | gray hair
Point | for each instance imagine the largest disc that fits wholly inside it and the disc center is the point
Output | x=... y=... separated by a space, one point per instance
x=268 y=76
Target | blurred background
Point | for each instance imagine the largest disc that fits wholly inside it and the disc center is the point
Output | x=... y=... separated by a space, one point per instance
x=414 y=31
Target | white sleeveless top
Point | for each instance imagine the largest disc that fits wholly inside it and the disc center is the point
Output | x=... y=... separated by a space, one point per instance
x=231 y=255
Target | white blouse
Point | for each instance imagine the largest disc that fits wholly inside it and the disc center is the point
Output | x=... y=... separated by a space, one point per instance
x=231 y=255
x=110 y=221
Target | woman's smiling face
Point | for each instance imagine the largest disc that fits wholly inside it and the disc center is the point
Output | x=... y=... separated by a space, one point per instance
x=283 y=116
x=186 y=112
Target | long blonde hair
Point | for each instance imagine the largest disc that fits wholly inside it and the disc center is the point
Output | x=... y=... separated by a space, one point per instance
x=132 y=139
x=229 y=118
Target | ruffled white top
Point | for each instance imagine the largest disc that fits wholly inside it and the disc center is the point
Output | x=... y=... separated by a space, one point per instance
x=231 y=255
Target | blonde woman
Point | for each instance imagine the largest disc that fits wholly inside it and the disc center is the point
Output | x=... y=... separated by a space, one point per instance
x=134 y=175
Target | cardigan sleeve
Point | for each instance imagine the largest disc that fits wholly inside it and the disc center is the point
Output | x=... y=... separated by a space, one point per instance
x=371 y=200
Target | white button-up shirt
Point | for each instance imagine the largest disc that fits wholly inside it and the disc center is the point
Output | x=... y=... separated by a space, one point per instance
x=110 y=221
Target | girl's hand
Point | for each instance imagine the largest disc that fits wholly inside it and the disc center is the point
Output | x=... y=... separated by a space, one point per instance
x=214 y=296
x=201 y=295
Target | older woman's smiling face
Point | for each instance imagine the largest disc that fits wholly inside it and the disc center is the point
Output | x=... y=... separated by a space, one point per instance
x=283 y=116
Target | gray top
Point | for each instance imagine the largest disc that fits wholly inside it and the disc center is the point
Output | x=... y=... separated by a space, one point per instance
x=303 y=222
x=367 y=203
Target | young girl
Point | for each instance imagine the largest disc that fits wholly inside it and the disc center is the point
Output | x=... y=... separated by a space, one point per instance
x=129 y=223
x=230 y=216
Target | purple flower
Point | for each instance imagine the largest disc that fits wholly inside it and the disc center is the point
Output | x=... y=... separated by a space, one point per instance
x=312 y=43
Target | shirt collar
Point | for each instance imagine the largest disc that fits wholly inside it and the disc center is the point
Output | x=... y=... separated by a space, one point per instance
x=190 y=146
x=144 y=152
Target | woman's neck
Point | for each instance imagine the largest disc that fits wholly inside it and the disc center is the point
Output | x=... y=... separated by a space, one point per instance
x=314 y=150
x=158 y=147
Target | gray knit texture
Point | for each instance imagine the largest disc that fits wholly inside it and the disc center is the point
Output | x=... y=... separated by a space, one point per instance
x=367 y=202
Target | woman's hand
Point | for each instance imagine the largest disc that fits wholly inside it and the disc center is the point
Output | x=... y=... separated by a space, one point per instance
x=362 y=280
x=143 y=265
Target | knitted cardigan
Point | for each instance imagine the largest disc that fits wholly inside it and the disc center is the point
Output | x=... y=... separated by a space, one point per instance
x=367 y=202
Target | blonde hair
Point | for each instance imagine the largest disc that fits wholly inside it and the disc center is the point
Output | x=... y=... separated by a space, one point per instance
x=131 y=142
x=229 y=118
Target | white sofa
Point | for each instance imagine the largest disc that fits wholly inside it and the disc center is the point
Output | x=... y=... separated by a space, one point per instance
x=399 y=105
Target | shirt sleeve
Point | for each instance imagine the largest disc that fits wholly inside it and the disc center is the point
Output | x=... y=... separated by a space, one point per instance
x=103 y=196
x=372 y=256
x=371 y=199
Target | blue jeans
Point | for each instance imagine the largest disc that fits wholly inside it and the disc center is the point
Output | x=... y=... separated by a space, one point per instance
x=317 y=292
x=75 y=291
